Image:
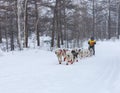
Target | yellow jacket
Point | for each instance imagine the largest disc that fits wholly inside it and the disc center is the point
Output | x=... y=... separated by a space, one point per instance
x=91 y=42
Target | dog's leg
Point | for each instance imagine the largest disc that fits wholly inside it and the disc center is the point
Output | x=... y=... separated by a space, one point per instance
x=60 y=59
x=67 y=63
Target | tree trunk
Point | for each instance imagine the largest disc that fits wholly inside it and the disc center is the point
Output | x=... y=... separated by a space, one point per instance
x=53 y=28
x=12 y=37
x=58 y=19
x=53 y=32
x=6 y=32
x=65 y=24
x=93 y=34
x=0 y=33
x=19 y=23
x=118 y=36
x=36 y=24
x=25 y=25
x=109 y=21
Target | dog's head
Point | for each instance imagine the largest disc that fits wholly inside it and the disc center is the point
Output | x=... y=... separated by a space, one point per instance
x=58 y=51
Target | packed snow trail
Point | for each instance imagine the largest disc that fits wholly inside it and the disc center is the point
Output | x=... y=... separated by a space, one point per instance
x=37 y=71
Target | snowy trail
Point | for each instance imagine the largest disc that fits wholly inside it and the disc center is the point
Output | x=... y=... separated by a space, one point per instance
x=37 y=71
x=109 y=66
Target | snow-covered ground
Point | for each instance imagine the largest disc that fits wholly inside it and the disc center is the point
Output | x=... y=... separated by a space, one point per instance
x=38 y=71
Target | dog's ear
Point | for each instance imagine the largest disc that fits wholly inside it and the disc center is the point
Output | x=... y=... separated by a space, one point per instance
x=79 y=50
x=68 y=55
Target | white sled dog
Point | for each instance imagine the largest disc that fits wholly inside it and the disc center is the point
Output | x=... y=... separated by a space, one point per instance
x=58 y=53
x=71 y=56
x=84 y=53
x=61 y=54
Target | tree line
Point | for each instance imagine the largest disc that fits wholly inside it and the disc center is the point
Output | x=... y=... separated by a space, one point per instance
x=65 y=21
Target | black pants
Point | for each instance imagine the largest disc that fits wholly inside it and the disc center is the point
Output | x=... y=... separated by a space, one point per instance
x=93 y=49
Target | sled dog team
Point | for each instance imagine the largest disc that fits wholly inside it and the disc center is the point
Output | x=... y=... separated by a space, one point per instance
x=72 y=55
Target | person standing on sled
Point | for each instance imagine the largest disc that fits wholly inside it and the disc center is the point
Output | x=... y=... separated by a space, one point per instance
x=92 y=43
